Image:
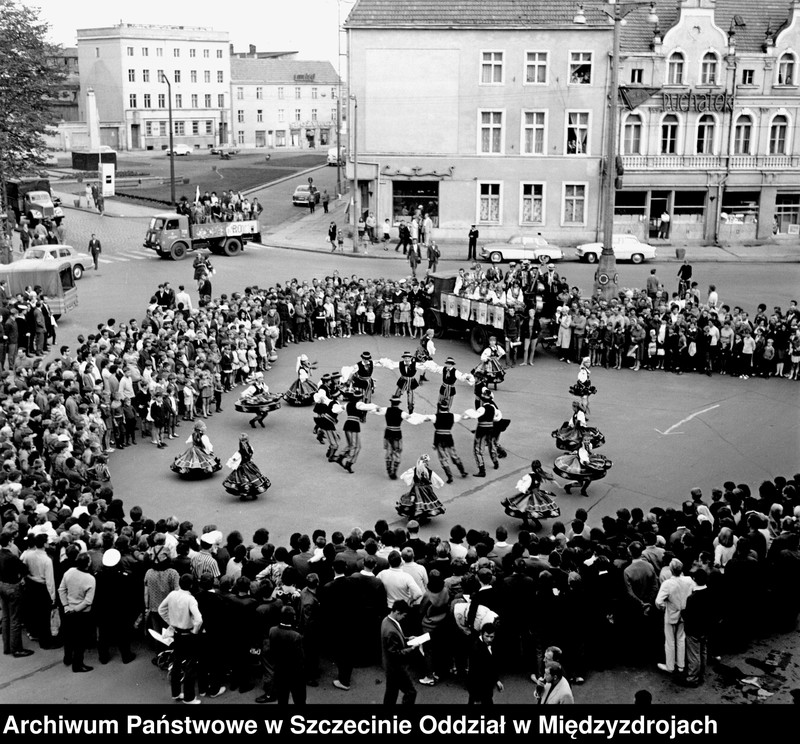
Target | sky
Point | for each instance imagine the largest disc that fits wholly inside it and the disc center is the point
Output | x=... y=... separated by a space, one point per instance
x=305 y=26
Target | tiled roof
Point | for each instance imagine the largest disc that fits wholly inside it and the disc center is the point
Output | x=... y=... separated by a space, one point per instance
x=426 y=14
x=281 y=71
x=758 y=16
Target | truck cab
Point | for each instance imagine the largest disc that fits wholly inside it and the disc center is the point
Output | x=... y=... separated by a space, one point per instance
x=32 y=199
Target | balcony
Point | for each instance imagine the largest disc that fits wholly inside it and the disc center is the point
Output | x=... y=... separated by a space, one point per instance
x=710 y=162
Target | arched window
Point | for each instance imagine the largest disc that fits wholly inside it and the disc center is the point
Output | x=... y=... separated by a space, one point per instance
x=669 y=135
x=675 y=71
x=633 y=135
x=777 y=135
x=705 y=135
x=786 y=69
x=708 y=70
x=742 y=134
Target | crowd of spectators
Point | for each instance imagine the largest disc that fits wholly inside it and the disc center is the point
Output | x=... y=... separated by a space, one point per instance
x=229 y=207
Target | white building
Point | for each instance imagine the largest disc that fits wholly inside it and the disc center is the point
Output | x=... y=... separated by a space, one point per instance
x=283 y=103
x=125 y=66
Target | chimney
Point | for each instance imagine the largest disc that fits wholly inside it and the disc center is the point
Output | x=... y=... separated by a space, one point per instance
x=231 y=46
x=253 y=49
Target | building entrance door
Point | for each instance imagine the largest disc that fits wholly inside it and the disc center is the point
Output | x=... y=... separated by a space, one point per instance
x=659 y=202
x=136 y=143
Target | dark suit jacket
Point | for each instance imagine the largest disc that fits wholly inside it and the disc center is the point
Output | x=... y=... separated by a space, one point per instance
x=369 y=595
x=641 y=582
x=301 y=563
x=337 y=601
x=700 y=614
x=483 y=675
x=286 y=652
x=394 y=651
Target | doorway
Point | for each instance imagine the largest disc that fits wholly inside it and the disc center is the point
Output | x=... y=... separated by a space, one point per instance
x=136 y=143
x=659 y=202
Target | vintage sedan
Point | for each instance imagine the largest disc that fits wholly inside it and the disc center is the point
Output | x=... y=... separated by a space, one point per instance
x=181 y=149
x=521 y=247
x=77 y=260
x=303 y=195
x=626 y=248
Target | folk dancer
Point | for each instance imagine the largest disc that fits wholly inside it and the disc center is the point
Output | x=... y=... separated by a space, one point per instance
x=583 y=388
x=582 y=467
x=362 y=377
x=421 y=501
x=408 y=379
x=328 y=410
x=356 y=413
x=443 y=443
x=425 y=352
x=393 y=435
x=256 y=398
x=484 y=433
x=301 y=392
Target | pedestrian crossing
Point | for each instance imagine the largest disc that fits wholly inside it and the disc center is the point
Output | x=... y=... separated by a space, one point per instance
x=146 y=253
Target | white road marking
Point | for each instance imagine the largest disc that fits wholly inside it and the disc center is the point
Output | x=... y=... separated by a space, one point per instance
x=688 y=418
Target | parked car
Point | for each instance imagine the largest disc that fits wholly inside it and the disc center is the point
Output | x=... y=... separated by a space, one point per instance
x=181 y=150
x=625 y=247
x=303 y=194
x=78 y=261
x=521 y=247
x=333 y=156
x=224 y=150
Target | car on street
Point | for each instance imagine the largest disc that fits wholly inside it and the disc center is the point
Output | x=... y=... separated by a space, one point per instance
x=303 y=195
x=181 y=150
x=521 y=247
x=625 y=247
x=224 y=150
x=334 y=156
x=78 y=261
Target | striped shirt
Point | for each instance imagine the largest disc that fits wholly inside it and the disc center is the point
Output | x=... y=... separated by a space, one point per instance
x=204 y=562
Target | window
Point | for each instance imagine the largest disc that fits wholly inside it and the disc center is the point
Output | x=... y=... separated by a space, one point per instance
x=240 y=94
x=162 y=100
x=280 y=92
x=536 y=68
x=132 y=100
x=240 y=116
x=314 y=92
x=491 y=132
x=574 y=204
x=162 y=129
x=220 y=77
x=777 y=135
x=206 y=76
x=219 y=53
x=491 y=68
x=159 y=52
x=240 y=137
x=708 y=70
x=193 y=53
x=742 y=134
x=580 y=68
x=193 y=76
x=260 y=115
x=705 y=135
x=131 y=76
x=313 y=114
x=675 y=69
x=281 y=115
x=209 y=126
x=333 y=94
x=533 y=123
x=669 y=135
x=145 y=51
x=195 y=127
x=577 y=133
x=748 y=76
x=178 y=100
x=207 y=100
x=176 y=52
x=145 y=76
x=97 y=51
x=206 y=53
x=259 y=93
x=532 y=212
x=179 y=127
x=786 y=69
x=147 y=101
x=194 y=100
x=632 y=144
x=280 y=138
x=637 y=75
x=130 y=52
x=177 y=77
x=220 y=100
x=297 y=114
x=333 y=114
x=160 y=76
x=148 y=129
x=489 y=202
x=297 y=92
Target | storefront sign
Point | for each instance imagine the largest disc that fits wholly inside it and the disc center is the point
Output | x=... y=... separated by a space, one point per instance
x=305 y=77
x=698 y=102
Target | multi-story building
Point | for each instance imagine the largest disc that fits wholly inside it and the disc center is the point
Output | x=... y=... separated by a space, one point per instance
x=64 y=103
x=283 y=103
x=483 y=113
x=126 y=65
x=711 y=132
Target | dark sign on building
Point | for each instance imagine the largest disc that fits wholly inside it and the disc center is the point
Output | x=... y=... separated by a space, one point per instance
x=699 y=102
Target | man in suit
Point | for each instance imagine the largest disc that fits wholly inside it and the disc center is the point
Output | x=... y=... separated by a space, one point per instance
x=473 y=236
x=396 y=656
x=286 y=655
x=483 y=676
x=302 y=561
x=336 y=597
x=699 y=617
x=556 y=688
x=641 y=587
x=95 y=248
x=370 y=597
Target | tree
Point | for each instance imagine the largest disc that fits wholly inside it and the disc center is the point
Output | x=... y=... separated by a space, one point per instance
x=28 y=78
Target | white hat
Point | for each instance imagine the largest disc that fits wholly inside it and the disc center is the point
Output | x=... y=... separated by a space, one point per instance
x=111 y=557
x=41 y=509
x=211 y=538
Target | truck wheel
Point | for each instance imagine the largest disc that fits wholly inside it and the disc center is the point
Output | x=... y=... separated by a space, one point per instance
x=77 y=271
x=178 y=250
x=478 y=339
x=233 y=246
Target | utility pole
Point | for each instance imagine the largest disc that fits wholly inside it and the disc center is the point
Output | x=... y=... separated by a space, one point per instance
x=165 y=79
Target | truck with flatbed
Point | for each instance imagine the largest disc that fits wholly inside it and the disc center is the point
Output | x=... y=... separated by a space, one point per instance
x=173 y=235
x=32 y=199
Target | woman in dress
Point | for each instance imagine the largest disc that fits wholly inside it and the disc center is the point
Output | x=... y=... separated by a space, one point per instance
x=571 y=433
x=490 y=366
x=257 y=399
x=532 y=503
x=420 y=502
x=246 y=481
x=581 y=467
x=301 y=392
x=583 y=388
x=199 y=460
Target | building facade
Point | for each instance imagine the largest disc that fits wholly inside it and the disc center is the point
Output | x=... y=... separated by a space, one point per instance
x=125 y=65
x=491 y=114
x=283 y=103
x=711 y=130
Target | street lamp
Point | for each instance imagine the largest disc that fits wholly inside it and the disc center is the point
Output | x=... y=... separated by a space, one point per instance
x=356 y=191
x=165 y=79
x=606 y=279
